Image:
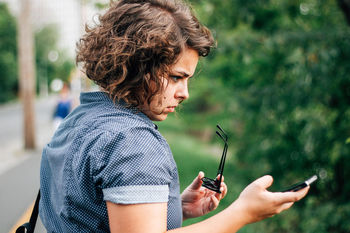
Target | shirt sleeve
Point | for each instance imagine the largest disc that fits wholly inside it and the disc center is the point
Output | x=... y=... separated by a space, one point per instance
x=133 y=167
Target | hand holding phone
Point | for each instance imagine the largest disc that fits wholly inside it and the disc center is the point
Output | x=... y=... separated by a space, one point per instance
x=301 y=185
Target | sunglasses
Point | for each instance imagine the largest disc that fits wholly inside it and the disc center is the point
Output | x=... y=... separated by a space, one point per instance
x=214 y=184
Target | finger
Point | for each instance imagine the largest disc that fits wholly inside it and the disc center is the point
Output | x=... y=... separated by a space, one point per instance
x=302 y=192
x=218 y=196
x=287 y=205
x=264 y=182
x=286 y=197
x=218 y=177
x=223 y=190
x=214 y=203
x=197 y=182
x=284 y=206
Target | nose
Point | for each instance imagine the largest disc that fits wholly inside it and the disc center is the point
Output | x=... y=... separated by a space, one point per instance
x=182 y=90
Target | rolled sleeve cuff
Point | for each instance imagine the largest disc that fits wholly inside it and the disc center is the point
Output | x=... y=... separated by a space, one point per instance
x=136 y=194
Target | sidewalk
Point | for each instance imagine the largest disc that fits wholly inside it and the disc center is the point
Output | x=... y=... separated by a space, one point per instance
x=19 y=168
x=12 y=152
x=19 y=187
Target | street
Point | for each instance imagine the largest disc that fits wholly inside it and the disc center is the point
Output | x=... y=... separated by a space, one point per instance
x=19 y=168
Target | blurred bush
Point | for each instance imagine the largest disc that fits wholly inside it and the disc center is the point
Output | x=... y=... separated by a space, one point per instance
x=8 y=55
x=51 y=61
x=279 y=82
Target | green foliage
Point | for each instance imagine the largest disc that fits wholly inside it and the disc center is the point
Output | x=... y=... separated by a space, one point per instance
x=8 y=55
x=279 y=83
x=47 y=68
x=51 y=62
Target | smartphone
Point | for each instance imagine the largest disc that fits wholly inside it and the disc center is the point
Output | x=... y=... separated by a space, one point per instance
x=301 y=185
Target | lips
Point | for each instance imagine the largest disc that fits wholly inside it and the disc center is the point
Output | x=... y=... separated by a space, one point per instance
x=171 y=109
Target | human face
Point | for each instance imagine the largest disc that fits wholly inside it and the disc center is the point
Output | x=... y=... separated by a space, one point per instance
x=175 y=87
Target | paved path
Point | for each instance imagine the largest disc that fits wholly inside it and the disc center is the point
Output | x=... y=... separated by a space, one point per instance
x=19 y=168
x=11 y=131
x=19 y=187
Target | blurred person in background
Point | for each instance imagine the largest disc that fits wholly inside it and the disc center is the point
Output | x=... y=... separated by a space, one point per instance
x=63 y=106
x=107 y=167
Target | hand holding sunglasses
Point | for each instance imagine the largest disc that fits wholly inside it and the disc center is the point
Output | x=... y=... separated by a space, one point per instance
x=214 y=184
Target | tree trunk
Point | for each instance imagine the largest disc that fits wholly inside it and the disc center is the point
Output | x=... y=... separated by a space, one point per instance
x=27 y=73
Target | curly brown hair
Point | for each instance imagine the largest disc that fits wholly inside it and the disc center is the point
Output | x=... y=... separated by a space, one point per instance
x=136 y=42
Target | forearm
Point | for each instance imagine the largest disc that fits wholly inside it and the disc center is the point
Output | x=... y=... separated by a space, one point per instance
x=254 y=204
x=229 y=220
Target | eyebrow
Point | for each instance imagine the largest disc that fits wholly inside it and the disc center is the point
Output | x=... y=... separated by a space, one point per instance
x=184 y=74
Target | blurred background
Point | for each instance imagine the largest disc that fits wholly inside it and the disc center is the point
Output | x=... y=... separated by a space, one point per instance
x=278 y=83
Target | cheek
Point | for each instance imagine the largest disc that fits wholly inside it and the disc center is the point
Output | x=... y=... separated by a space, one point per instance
x=168 y=94
x=160 y=101
x=156 y=101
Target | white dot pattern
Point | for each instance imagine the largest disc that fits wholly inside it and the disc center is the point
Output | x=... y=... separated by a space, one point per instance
x=105 y=152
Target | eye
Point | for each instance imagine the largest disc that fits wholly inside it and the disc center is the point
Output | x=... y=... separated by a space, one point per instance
x=175 y=78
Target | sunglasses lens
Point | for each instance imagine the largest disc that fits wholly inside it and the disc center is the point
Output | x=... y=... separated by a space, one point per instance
x=211 y=184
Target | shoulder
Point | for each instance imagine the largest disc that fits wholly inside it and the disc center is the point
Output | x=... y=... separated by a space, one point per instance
x=135 y=156
x=140 y=141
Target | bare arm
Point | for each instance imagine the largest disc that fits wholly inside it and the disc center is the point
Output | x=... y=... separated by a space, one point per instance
x=136 y=218
x=254 y=204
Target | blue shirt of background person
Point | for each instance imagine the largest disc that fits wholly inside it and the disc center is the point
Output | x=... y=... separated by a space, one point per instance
x=63 y=108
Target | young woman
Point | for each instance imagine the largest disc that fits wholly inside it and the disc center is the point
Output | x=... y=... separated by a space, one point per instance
x=107 y=168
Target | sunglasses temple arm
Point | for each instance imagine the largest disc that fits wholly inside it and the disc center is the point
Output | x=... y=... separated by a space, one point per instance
x=222 y=163
x=223 y=135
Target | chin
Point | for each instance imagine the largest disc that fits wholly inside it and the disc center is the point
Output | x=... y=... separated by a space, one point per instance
x=160 y=117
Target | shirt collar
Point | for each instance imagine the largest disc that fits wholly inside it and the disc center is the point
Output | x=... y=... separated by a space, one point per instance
x=99 y=96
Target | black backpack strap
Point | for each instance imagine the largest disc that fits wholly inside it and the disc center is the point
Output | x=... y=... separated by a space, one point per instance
x=30 y=226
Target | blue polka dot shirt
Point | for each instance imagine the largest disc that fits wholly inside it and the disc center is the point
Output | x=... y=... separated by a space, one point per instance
x=105 y=152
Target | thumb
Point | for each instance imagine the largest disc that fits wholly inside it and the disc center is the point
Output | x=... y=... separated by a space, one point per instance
x=264 y=182
x=197 y=182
